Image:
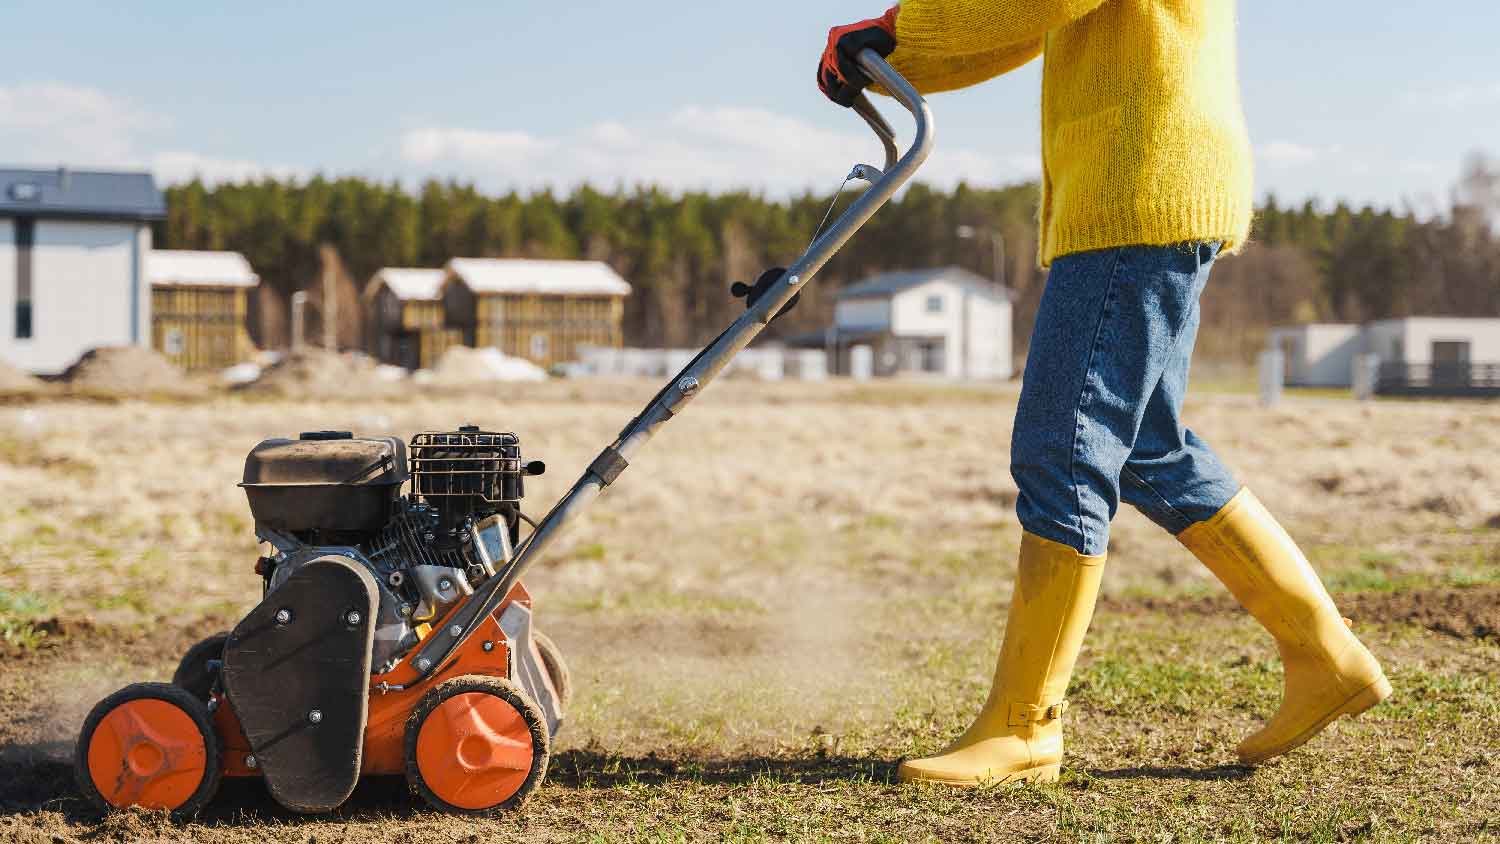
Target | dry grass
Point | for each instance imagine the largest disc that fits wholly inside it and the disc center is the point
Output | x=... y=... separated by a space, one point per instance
x=793 y=587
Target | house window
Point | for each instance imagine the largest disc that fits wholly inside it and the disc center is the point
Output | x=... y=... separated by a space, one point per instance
x=538 y=345
x=935 y=304
x=25 y=239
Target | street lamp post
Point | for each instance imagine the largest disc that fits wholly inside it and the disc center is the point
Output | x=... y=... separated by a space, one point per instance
x=997 y=248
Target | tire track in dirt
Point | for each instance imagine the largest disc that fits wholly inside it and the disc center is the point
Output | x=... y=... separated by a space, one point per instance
x=1471 y=612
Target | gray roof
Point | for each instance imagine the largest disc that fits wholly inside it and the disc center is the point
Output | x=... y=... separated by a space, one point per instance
x=889 y=284
x=80 y=193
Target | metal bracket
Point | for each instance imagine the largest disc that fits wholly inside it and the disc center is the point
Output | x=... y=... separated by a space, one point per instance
x=608 y=465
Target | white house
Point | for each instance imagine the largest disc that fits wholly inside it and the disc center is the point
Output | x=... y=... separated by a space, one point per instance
x=945 y=322
x=1317 y=354
x=1456 y=356
x=1416 y=354
x=73 y=248
x=1423 y=341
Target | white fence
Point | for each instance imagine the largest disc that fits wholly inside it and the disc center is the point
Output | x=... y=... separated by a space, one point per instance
x=770 y=363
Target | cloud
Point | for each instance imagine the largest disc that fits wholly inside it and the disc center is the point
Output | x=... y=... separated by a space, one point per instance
x=176 y=166
x=52 y=123
x=1472 y=96
x=1458 y=97
x=1291 y=154
x=692 y=147
x=710 y=147
x=429 y=146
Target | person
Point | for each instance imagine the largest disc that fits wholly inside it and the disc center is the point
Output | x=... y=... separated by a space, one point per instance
x=1146 y=182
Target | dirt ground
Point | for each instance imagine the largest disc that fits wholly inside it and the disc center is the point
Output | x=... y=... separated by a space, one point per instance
x=794 y=587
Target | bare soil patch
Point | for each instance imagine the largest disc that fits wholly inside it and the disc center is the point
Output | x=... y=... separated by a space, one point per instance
x=1471 y=612
x=78 y=638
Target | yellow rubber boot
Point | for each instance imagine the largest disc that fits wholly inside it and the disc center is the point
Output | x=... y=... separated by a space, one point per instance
x=1018 y=735
x=1328 y=672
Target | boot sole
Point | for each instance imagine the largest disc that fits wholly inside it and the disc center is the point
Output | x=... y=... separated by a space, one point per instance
x=1040 y=773
x=1359 y=702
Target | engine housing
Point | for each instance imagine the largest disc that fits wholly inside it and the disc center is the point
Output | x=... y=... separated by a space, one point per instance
x=330 y=492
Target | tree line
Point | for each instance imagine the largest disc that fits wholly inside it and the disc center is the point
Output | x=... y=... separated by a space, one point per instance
x=680 y=251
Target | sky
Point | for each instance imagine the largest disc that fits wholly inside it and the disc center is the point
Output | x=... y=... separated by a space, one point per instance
x=1358 y=101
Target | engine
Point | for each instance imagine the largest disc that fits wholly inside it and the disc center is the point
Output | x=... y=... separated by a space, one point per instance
x=430 y=521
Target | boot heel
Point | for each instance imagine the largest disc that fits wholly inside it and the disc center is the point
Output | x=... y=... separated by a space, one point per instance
x=1367 y=697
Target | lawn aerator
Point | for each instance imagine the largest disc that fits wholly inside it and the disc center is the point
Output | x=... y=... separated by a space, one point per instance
x=394 y=635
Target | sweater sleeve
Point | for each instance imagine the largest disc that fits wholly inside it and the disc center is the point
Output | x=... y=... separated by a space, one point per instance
x=947 y=44
x=934 y=72
x=972 y=26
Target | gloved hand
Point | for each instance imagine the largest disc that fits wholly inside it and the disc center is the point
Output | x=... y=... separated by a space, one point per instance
x=839 y=76
x=751 y=293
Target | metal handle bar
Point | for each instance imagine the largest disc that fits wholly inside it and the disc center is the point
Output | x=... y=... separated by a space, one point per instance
x=709 y=363
x=866 y=109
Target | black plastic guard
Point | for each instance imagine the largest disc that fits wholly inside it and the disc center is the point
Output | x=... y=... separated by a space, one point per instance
x=297 y=673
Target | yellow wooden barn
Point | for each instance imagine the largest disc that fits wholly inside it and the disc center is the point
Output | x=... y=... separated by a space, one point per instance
x=198 y=306
x=541 y=311
x=404 y=320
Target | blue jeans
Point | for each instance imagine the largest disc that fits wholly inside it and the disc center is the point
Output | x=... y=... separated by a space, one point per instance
x=1100 y=415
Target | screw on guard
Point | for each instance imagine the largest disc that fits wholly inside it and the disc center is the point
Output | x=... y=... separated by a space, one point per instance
x=712 y=359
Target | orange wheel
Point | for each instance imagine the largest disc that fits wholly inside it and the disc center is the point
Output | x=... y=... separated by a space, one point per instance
x=476 y=745
x=151 y=745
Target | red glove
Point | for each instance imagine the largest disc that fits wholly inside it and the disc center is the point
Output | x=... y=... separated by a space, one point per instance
x=839 y=76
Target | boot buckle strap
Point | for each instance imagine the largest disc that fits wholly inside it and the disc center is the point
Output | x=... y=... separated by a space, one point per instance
x=1022 y=714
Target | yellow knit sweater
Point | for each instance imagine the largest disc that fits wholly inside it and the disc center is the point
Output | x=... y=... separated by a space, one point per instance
x=1143 y=137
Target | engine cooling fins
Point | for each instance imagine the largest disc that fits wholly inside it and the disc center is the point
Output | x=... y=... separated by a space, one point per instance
x=297 y=671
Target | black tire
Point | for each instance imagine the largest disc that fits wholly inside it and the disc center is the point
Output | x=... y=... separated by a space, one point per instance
x=557 y=668
x=195 y=709
x=192 y=672
x=514 y=696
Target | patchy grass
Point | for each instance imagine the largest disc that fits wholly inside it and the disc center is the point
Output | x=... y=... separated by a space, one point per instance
x=19 y=614
x=793 y=588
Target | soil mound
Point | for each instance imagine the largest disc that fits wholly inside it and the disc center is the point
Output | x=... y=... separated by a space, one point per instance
x=128 y=370
x=15 y=382
x=462 y=365
x=318 y=373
